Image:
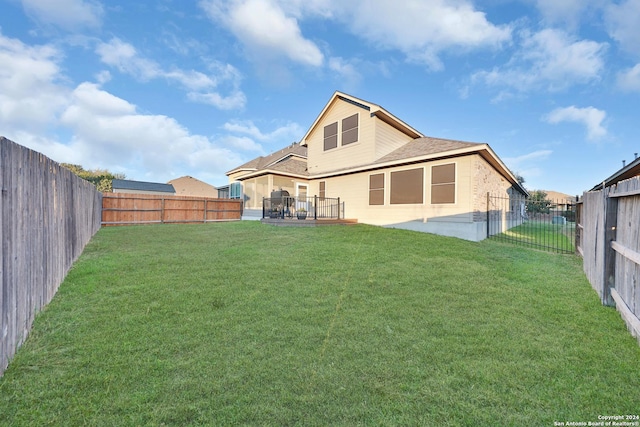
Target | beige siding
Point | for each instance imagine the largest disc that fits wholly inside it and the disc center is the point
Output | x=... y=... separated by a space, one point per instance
x=234 y=176
x=355 y=154
x=354 y=190
x=388 y=138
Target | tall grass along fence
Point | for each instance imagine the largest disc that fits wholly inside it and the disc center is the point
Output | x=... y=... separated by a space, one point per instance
x=609 y=242
x=546 y=225
x=47 y=215
x=130 y=209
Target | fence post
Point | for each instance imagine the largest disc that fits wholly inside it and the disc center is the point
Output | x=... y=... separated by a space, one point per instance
x=338 y=207
x=610 y=224
x=315 y=207
x=205 y=211
x=162 y=211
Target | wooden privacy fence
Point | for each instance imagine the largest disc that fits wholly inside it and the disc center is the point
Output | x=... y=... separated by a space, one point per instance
x=608 y=238
x=130 y=209
x=47 y=215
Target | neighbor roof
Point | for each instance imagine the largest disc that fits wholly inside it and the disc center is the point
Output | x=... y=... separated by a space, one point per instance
x=125 y=184
x=628 y=171
x=190 y=186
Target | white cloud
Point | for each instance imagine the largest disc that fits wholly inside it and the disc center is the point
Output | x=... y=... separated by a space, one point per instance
x=66 y=14
x=590 y=117
x=29 y=92
x=265 y=30
x=566 y=13
x=623 y=24
x=245 y=134
x=629 y=80
x=549 y=59
x=109 y=131
x=422 y=30
x=525 y=158
x=200 y=86
x=528 y=165
x=346 y=71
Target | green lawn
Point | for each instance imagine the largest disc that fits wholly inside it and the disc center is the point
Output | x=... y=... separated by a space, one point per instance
x=248 y=324
x=542 y=235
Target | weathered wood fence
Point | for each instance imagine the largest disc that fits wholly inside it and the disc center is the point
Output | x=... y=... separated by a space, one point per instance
x=130 y=209
x=47 y=215
x=608 y=238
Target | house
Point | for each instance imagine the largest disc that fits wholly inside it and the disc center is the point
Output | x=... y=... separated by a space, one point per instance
x=141 y=187
x=383 y=171
x=189 y=186
x=626 y=172
x=560 y=202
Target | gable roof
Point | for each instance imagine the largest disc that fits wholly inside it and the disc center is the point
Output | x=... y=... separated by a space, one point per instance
x=374 y=110
x=190 y=186
x=289 y=160
x=125 y=184
x=626 y=172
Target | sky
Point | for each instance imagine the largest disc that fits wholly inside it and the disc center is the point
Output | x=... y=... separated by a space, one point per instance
x=156 y=90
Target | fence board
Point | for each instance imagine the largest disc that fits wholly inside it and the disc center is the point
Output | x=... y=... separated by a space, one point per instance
x=47 y=215
x=130 y=209
x=625 y=247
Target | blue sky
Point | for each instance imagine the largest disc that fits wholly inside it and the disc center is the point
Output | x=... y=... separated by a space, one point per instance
x=161 y=89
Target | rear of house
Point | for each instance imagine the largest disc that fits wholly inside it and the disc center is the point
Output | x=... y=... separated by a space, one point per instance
x=384 y=172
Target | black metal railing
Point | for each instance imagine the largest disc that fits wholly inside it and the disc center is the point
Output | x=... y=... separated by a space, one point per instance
x=547 y=225
x=288 y=207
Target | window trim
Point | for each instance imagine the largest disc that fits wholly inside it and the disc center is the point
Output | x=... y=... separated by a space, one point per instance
x=350 y=130
x=453 y=183
x=330 y=136
x=415 y=199
x=376 y=190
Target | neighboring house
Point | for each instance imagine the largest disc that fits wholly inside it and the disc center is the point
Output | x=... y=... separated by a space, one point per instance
x=627 y=171
x=560 y=201
x=384 y=172
x=141 y=187
x=189 y=186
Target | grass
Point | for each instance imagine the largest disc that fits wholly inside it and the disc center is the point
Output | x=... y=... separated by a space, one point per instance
x=542 y=235
x=247 y=324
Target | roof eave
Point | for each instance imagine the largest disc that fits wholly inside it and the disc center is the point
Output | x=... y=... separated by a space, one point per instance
x=272 y=172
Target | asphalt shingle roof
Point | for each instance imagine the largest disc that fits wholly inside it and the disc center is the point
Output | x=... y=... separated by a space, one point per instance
x=125 y=184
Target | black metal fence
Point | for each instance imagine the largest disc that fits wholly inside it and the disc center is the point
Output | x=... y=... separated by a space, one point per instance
x=288 y=207
x=546 y=224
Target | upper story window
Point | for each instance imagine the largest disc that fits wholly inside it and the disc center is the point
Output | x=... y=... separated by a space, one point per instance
x=443 y=184
x=350 y=130
x=331 y=136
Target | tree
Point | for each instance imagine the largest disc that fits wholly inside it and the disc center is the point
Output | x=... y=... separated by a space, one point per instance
x=538 y=202
x=101 y=178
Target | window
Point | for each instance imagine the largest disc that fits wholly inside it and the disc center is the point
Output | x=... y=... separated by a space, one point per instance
x=443 y=184
x=331 y=136
x=321 y=190
x=350 y=130
x=376 y=189
x=235 y=190
x=407 y=187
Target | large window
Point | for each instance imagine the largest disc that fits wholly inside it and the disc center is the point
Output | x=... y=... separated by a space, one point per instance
x=376 y=189
x=407 y=187
x=322 y=190
x=350 y=130
x=331 y=136
x=443 y=184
